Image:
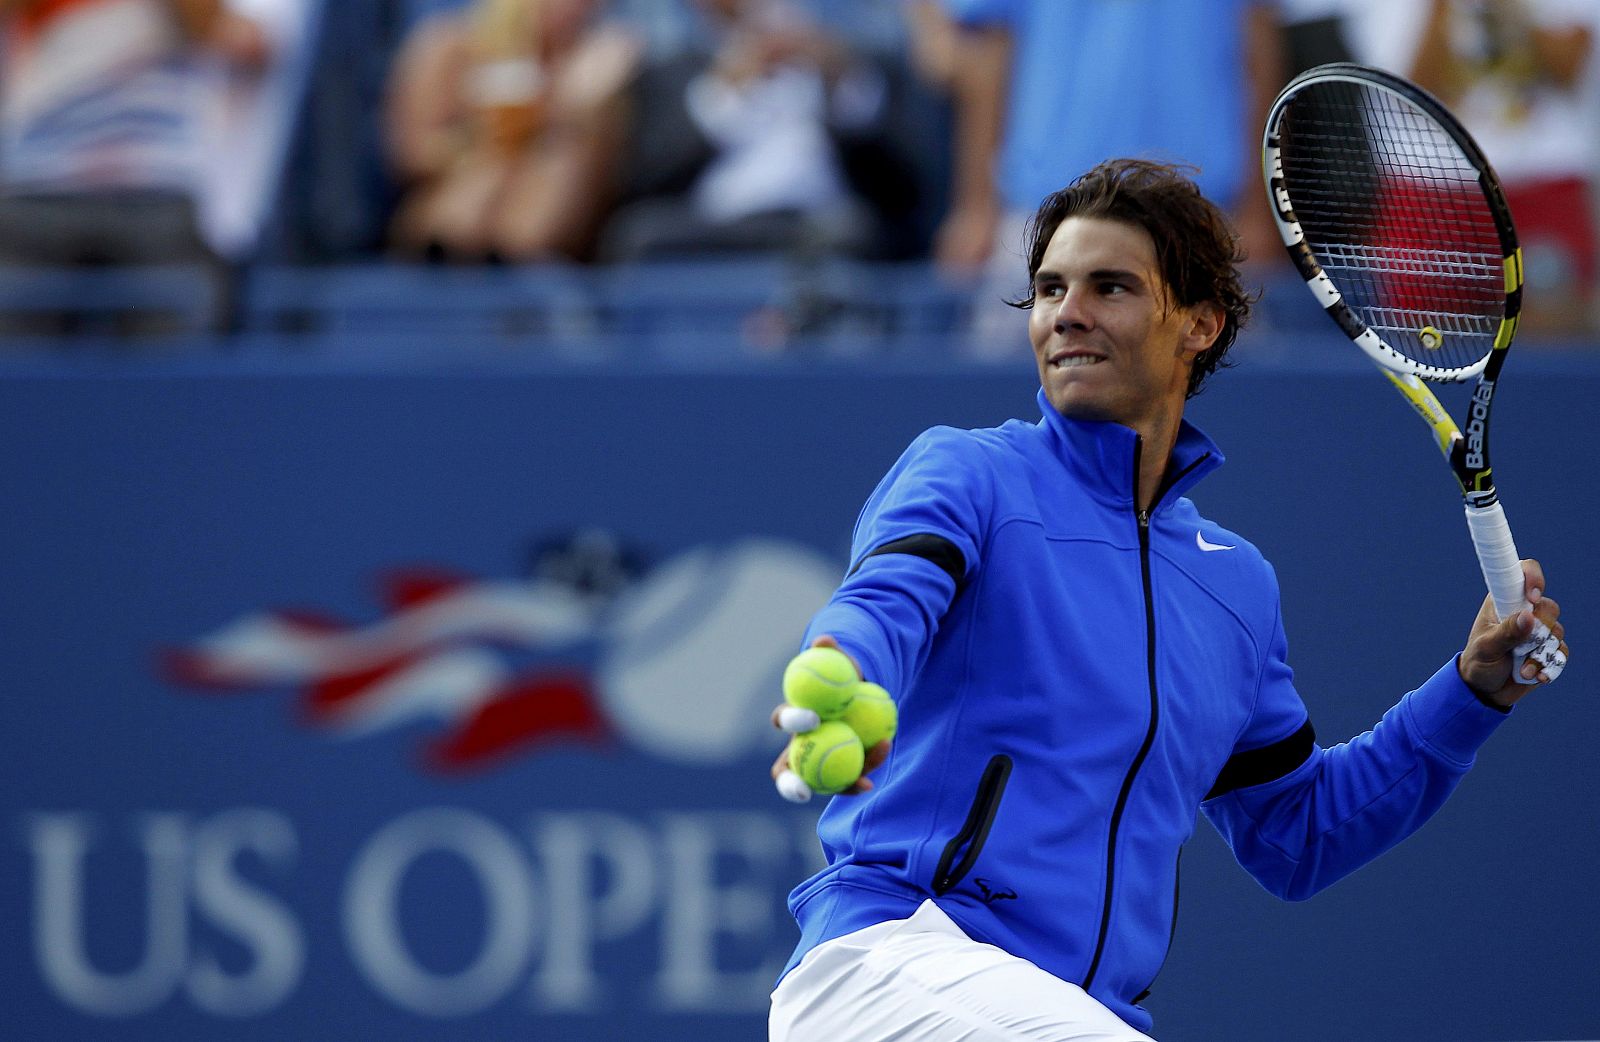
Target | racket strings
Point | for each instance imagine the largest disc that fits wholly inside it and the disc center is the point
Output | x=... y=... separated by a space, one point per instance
x=1394 y=213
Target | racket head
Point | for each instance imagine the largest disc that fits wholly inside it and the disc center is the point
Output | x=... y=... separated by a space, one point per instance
x=1396 y=220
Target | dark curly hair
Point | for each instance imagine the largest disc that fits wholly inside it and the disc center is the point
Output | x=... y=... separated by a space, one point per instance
x=1197 y=249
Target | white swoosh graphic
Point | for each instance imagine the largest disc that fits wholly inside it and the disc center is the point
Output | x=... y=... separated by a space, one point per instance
x=1200 y=541
x=262 y=648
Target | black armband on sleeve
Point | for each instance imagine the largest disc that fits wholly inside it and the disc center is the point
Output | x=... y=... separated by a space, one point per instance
x=1268 y=763
x=1491 y=703
x=935 y=548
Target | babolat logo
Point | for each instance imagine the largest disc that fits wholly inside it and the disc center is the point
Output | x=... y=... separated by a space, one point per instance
x=1478 y=423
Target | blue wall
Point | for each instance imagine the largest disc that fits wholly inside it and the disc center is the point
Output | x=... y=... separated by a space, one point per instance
x=185 y=862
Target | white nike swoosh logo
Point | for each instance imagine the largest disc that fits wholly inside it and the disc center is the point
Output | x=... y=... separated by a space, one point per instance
x=1200 y=541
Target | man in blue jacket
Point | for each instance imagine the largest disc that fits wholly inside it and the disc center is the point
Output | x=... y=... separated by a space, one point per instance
x=1081 y=660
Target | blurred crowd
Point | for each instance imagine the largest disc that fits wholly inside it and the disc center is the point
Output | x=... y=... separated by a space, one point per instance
x=219 y=134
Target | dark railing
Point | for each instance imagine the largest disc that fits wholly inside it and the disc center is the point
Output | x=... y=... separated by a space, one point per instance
x=745 y=308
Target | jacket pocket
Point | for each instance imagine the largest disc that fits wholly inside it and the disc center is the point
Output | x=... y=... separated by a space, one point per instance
x=967 y=844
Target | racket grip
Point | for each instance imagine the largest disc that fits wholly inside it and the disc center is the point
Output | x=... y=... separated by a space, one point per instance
x=1497 y=554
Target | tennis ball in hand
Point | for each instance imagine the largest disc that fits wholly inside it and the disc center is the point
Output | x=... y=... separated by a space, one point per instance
x=828 y=759
x=871 y=714
x=820 y=679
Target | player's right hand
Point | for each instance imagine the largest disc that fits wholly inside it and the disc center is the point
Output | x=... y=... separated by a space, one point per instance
x=1486 y=663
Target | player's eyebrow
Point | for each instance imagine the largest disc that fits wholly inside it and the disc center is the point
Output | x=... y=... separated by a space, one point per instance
x=1097 y=275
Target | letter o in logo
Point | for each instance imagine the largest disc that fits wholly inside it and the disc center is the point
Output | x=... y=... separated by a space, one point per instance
x=372 y=923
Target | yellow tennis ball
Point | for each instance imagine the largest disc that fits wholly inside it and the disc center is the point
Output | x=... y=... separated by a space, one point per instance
x=871 y=714
x=822 y=680
x=828 y=759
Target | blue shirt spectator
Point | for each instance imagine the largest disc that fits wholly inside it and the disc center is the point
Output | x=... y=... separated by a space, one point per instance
x=1045 y=88
x=1090 y=79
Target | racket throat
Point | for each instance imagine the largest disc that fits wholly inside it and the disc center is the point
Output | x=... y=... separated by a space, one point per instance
x=1470 y=454
x=1469 y=459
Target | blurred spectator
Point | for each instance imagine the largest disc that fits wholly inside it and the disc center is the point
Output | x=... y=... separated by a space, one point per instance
x=1381 y=33
x=767 y=132
x=251 y=114
x=504 y=124
x=1045 y=89
x=110 y=112
x=1523 y=76
x=935 y=42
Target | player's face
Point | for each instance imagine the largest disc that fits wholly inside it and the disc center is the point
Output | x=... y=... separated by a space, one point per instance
x=1108 y=345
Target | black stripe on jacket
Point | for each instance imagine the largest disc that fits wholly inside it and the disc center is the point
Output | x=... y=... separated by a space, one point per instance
x=935 y=548
x=1268 y=763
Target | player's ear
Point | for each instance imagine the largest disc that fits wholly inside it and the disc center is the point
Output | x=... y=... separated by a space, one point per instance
x=1202 y=325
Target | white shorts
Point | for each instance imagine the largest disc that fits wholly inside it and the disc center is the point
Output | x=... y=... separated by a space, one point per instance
x=922 y=980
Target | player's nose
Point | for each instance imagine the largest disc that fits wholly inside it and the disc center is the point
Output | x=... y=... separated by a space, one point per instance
x=1073 y=311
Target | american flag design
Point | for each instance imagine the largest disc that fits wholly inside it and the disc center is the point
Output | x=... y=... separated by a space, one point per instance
x=681 y=661
x=437 y=653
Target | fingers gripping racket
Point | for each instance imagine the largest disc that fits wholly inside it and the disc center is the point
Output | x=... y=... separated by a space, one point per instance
x=1400 y=228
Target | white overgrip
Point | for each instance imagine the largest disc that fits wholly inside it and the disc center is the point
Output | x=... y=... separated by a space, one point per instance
x=1502 y=571
x=1497 y=554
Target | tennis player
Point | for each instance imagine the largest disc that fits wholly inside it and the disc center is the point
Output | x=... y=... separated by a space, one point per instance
x=1081 y=661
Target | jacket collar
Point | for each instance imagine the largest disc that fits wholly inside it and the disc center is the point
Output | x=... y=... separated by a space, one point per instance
x=1100 y=456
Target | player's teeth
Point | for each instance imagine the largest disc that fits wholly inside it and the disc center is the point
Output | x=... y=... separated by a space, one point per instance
x=1077 y=360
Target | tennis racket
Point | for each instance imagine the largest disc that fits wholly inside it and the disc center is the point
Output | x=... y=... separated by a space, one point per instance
x=1400 y=228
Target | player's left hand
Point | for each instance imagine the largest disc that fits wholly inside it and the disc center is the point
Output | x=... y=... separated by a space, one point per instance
x=787 y=723
x=1495 y=644
x=794 y=720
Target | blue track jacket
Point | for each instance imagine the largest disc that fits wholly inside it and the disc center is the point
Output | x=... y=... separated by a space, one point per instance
x=1074 y=680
